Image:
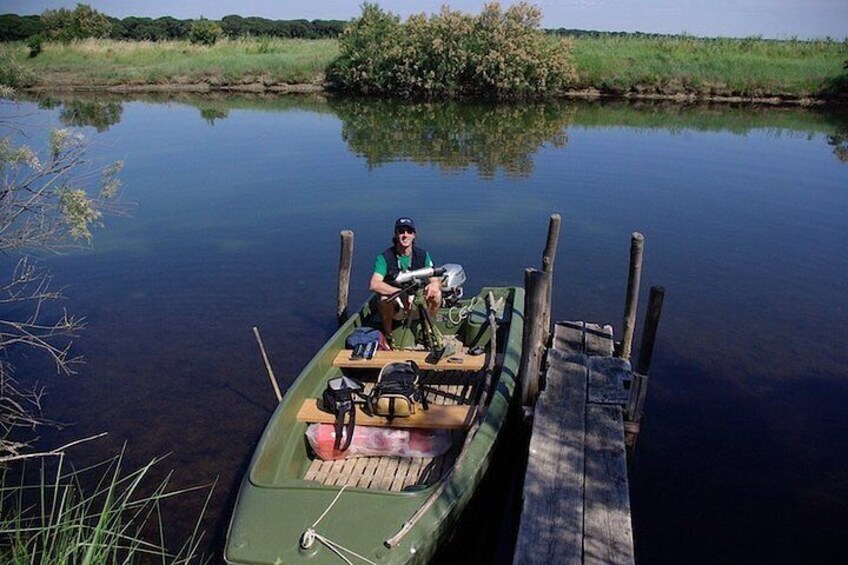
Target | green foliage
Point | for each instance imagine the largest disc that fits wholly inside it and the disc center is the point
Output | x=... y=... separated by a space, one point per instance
x=500 y=54
x=204 y=32
x=35 y=45
x=83 y=22
x=18 y=28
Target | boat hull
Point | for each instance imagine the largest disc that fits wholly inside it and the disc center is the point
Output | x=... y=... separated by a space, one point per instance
x=275 y=505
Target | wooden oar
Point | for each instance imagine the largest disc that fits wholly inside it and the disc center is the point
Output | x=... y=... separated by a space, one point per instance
x=268 y=365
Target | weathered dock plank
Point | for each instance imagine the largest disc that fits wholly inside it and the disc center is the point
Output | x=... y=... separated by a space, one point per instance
x=568 y=337
x=598 y=340
x=610 y=380
x=551 y=528
x=608 y=532
x=576 y=505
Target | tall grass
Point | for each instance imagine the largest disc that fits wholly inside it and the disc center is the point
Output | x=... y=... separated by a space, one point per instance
x=726 y=67
x=108 y=62
x=55 y=519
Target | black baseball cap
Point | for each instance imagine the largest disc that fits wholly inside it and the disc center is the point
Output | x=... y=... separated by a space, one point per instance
x=404 y=222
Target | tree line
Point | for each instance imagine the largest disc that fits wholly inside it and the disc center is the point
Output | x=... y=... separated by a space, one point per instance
x=14 y=27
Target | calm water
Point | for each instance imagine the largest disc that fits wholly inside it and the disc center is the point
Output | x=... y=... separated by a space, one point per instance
x=238 y=205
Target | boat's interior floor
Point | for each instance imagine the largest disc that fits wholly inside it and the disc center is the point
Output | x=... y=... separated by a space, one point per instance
x=399 y=473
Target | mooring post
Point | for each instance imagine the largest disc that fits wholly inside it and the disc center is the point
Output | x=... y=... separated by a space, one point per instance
x=634 y=278
x=548 y=258
x=649 y=332
x=345 y=261
x=536 y=285
x=639 y=390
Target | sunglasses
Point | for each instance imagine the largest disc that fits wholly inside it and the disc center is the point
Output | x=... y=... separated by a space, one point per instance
x=405 y=230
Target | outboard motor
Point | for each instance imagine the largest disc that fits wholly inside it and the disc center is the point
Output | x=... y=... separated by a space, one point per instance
x=452 y=281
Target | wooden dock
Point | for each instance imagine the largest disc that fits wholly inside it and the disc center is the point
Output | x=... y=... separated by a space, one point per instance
x=576 y=506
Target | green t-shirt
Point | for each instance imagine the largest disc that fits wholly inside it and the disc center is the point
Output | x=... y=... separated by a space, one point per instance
x=404 y=262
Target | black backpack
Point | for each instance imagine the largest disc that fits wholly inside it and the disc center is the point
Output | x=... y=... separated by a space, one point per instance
x=340 y=398
x=397 y=392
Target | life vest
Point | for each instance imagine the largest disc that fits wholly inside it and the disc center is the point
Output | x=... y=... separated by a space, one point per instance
x=419 y=257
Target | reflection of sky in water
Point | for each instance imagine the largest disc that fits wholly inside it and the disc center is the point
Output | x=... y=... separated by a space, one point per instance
x=237 y=224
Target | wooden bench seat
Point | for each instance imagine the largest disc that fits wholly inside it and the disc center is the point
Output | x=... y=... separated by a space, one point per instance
x=458 y=361
x=439 y=416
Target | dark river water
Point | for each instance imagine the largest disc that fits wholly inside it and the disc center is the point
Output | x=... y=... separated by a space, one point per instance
x=236 y=210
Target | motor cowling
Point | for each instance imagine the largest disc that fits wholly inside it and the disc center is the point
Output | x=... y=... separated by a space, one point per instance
x=452 y=281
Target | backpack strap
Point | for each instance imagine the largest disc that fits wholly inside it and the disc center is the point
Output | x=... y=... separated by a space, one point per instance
x=338 y=398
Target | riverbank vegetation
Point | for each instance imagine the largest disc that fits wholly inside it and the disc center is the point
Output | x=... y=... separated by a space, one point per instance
x=499 y=53
x=53 y=199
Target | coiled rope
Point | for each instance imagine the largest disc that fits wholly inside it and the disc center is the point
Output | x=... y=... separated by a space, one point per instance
x=456 y=315
x=307 y=539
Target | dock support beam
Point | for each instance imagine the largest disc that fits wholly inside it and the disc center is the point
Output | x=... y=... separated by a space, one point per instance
x=536 y=286
x=634 y=278
x=345 y=261
x=548 y=258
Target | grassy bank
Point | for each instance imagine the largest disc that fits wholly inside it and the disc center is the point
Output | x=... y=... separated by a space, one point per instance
x=718 y=67
x=626 y=65
x=117 y=63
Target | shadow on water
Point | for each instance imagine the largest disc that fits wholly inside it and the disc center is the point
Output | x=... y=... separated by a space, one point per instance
x=240 y=200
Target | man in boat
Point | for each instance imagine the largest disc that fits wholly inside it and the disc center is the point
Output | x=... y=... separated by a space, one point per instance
x=403 y=255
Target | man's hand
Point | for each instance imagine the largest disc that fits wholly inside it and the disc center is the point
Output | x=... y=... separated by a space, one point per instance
x=433 y=290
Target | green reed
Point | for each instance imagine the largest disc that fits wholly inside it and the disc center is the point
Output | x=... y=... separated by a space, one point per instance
x=55 y=519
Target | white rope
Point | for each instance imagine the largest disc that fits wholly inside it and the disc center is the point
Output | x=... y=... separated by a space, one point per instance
x=307 y=539
x=321 y=517
x=462 y=312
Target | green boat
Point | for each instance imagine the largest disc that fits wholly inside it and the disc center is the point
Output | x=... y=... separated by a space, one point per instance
x=293 y=507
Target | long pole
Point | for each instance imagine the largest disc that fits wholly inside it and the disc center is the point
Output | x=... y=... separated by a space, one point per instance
x=345 y=262
x=268 y=365
x=634 y=279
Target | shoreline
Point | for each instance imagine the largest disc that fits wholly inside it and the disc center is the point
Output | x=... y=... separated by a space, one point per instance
x=645 y=93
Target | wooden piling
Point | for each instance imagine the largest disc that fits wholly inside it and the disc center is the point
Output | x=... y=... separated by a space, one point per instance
x=548 y=258
x=634 y=278
x=536 y=284
x=345 y=262
x=649 y=332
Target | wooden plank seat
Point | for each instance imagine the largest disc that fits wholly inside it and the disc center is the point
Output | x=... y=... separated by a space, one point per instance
x=460 y=360
x=439 y=416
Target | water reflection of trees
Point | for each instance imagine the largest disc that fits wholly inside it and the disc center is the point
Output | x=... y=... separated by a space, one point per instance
x=452 y=135
x=99 y=115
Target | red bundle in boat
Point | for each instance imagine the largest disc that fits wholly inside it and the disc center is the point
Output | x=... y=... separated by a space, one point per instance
x=369 y=441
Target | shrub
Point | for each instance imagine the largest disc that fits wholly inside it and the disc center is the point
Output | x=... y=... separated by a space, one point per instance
x=35 y=44
x=205 y=32
x=83 y=22
x=500 y=54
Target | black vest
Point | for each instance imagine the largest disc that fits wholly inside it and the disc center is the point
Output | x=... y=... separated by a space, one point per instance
x=419 y=256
